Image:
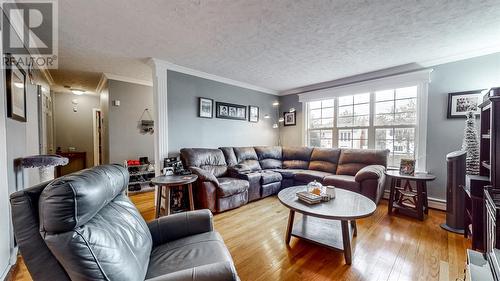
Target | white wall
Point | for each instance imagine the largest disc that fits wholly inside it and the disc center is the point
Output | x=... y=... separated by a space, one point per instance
x=5 y=225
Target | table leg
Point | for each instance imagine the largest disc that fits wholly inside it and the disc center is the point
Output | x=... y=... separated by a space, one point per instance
x=289 y=227
x=346 y=239
x=158 y=201
x=420 y=200
x=391 y=194
x=354 y=228
x=190 y=194
x=167 y=200
x=426 y=199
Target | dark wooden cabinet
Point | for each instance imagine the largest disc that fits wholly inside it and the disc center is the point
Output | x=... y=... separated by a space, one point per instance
x=76 y=161
x=489 y=173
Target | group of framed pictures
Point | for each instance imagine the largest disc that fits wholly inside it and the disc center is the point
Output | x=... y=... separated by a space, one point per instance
x=227 y=110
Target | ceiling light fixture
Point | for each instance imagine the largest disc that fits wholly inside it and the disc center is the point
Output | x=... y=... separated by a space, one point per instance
x=19 y=85
x=276 y=103
x=77 y=92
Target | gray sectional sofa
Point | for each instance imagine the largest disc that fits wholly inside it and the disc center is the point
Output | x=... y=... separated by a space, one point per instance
x=230 y=177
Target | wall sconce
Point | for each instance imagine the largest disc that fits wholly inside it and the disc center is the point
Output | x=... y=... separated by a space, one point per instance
x=292 y=109
x=75 y=104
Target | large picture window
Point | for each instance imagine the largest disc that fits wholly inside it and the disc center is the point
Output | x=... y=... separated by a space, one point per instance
x=385 y=119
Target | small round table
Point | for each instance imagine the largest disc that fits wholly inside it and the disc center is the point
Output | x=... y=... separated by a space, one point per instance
x=331 y=224
x=172 y=181
x=404 y=198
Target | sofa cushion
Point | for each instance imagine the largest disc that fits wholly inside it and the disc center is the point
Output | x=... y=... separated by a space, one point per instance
x=71 y=201
x=248 y=157
x=324 y=159
x=353 y=160
x=296 y=157
x=185 y=253
x=229 y=155
x=211 y=160
x=342 y=181
x=114 y=245
x=311 y=175
x=289 y=173
x=231 y=186
x=269 y=156
x=270 y=177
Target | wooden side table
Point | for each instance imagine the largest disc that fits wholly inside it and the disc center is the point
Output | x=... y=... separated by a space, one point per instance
x=404 y=198
x=168 y=182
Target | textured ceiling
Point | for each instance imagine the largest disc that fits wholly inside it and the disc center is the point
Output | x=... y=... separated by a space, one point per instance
x=277 y=44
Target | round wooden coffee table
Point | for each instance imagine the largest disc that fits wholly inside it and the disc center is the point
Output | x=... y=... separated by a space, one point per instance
x=172 y=181
x=331 y=224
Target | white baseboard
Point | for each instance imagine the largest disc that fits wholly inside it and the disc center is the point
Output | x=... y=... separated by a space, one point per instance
x=434 y=203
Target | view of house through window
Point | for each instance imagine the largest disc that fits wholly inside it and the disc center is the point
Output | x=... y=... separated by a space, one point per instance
x=381 y=119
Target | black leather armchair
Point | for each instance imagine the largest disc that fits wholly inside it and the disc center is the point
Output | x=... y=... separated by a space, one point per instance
x=83 y=227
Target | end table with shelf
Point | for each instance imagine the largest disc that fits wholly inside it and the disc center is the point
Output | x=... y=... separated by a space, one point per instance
x=172 y=181
x=406 y=199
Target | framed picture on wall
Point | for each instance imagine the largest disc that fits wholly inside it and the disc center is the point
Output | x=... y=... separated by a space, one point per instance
x=253 y=113
x=16 y=92
x=230 y=111
x=290 y=119
x=206 y=108
x=461 y=102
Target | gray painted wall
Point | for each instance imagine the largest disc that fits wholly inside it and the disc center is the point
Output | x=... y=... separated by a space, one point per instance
x=443 y=135
x=292 y=135
x=74 y=129
x=125 y=139
x=186 y=129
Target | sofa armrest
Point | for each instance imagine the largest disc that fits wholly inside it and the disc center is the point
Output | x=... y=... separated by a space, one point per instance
x=204 y=175
x=239 y=169
x=370 y=172
x=180 y=225
x=221 y=271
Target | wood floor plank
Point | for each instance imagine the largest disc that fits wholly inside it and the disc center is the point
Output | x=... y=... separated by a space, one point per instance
x=387 y=248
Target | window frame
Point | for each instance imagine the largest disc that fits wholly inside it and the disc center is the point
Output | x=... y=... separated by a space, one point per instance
x=420 y=79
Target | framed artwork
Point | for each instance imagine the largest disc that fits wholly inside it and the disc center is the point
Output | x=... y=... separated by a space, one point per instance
x=206 y=108
x=461 y=102
x=290 y=119
x=253 y=113
x=230 y=111
x=407 y=167
x=16 y=93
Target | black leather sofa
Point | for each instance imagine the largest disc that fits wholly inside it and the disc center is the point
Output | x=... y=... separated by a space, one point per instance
x=230 y=177
x=83 y=227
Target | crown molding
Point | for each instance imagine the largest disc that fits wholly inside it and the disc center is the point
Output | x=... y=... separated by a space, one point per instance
x=110 y=76
x=462 y=56
x=165 y=65
x=101 y=84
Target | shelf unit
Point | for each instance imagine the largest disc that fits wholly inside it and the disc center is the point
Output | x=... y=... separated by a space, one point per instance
x=489 y=173
x=140 y=178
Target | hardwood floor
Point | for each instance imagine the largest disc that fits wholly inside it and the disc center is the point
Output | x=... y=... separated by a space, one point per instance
x=386 y=248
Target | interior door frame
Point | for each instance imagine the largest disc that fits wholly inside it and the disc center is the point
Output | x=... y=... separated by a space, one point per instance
x=95 y=136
